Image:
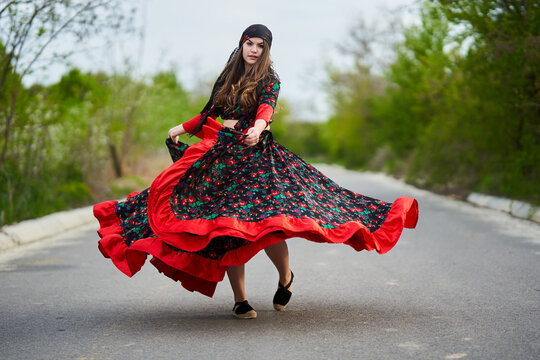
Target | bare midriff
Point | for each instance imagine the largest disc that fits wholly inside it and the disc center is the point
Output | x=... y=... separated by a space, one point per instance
x=230 y=124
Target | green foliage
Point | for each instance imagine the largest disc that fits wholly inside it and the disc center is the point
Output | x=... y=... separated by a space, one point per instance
x=70 y=138
x=125 y=185
x=23 y=197
x=460 y=109
x=165 y=104
x=351 y=94
x=420 y=77
x=52 y=138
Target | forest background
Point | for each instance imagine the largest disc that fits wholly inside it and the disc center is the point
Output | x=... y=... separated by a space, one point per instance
x=456 y=109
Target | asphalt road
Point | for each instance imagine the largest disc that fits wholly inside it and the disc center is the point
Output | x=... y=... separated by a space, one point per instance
x=464 y=284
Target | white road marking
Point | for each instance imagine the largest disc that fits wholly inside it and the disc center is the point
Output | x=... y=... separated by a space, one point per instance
x=455 y=356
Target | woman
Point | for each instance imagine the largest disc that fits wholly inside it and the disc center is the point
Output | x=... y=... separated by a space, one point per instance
x=237 y=192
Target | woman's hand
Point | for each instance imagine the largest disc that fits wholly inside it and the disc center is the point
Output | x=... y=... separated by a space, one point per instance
x=254 y=132
x=252 y=137
x=175 y=132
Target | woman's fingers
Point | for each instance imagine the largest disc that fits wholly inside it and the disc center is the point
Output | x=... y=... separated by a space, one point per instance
x=174 y=134
x=251 y=139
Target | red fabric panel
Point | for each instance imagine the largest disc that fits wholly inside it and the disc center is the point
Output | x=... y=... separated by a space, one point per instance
x=112 y=244
x=190 y=125
x=188 y=281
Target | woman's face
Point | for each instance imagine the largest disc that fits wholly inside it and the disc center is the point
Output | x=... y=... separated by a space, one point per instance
x=252 y=50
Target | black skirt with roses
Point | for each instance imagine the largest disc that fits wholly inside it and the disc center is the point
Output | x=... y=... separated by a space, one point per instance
x=221 y=202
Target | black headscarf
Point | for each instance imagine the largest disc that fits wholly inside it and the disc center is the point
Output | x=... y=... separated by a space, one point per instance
x=252 y=31
x=257 y=30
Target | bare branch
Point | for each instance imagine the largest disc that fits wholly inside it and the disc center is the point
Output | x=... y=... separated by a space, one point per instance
x=53 y=36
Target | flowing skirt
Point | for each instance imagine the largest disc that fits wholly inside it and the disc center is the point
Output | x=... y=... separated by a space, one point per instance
x=221 y=202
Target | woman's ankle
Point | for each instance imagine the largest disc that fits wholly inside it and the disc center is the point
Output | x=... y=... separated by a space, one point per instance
x=285 y=278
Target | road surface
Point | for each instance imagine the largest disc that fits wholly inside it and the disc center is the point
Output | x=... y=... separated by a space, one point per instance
x=465 y=284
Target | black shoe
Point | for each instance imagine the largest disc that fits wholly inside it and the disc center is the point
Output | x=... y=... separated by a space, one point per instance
x=283 y=295
x=243 y=310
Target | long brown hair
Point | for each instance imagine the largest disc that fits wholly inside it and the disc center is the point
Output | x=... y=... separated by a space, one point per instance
x=237 y=82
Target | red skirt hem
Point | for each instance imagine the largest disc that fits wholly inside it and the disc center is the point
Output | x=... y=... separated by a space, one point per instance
x=194 y=235
x=197 y=273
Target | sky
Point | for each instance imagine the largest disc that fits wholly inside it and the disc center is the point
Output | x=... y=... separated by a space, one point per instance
x=195 y=38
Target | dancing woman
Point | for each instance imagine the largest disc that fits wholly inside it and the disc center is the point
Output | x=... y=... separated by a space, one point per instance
x=237 y=191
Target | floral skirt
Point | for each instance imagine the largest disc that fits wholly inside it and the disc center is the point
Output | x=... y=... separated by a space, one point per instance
x=221 y=202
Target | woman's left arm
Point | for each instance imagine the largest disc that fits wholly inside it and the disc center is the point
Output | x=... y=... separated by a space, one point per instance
x=267 y=103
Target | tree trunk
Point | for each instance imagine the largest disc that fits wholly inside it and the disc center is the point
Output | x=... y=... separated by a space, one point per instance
x=116 y=161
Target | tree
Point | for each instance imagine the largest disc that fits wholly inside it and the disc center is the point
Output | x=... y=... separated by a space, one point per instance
x=351 y=137
x=461 y=108
x=502 y=70
x=28 y=28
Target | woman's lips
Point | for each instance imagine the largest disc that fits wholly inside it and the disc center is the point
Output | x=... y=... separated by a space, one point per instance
x=252 y=57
